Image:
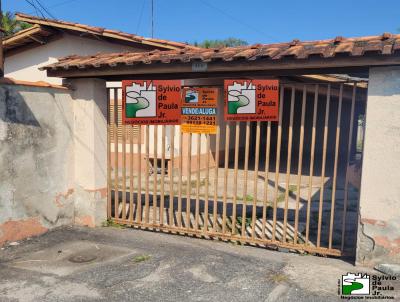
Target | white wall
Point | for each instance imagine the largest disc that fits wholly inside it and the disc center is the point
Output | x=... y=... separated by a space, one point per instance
x=379 y=229
x=25 y=64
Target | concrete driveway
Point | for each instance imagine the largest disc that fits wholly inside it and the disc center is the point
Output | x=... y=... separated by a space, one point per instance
x=111 y=264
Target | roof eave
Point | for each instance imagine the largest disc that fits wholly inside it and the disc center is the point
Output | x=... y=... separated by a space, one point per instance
x=282 y=66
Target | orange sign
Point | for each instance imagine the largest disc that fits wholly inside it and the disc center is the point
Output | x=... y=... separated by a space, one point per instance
x=251 y=100
x=199 y=110
x=152 y=102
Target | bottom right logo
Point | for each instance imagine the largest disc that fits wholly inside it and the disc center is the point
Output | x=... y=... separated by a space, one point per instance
x=355 y=284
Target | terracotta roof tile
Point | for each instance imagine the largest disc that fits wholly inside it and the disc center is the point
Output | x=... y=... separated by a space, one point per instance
x=385 y=44
x=109 y=33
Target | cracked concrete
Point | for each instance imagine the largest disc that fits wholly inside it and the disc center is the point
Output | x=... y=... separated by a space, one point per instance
x=170 y=268
x=35 y=152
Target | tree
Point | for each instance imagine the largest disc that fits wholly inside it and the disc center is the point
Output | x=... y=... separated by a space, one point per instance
x=10 y=25
x=229 y=42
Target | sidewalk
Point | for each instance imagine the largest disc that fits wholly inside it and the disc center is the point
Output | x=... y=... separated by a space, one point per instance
x=112 y=264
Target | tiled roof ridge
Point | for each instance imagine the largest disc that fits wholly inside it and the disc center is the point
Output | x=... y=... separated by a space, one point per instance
x=384 y=44
x=99 y=30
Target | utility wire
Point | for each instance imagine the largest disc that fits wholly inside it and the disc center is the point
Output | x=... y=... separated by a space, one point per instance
x=46 y=10
x=37 y=9
x=238 y=20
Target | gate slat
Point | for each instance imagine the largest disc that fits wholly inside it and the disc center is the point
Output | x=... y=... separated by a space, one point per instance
x=246 y=166
x=116 y=189
x=266 y=184
x=277 y=165
x=155 y=172
x=197 y=209
x=162 y=197
x=310 y=183
x=300 y=163
x=123 y=129
x=188 y=182
x=171 y=176
x=147 y=201
x=288 y=162
x=139 y=186
x=207 y=183
x=131 y=203
x=226 y=172
x=346 y=182
x=215 y=208
x=235 y=177
x=108 y=154
x=179 y=218
x=321 y=194
x=335 y=167
x=255 y=194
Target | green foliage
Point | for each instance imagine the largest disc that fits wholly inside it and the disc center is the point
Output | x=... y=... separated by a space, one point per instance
x=229 y=42
x=111 y=223
x=10 y=25
x=141 y=258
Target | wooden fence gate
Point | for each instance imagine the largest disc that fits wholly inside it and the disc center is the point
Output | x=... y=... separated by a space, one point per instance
x=289 y=184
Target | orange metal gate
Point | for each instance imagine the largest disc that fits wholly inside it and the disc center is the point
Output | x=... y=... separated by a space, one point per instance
x=281 y=184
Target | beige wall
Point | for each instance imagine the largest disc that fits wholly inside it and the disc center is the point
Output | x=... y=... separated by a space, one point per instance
x=379 y=230
x=90 y=150
x=25 y=64
x=36 y=160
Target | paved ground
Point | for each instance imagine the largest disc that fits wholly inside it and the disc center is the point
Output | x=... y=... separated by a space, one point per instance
x=111 y=264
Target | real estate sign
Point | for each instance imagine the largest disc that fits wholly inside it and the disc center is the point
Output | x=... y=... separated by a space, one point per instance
x=199 y=110
x=151 y=102
x=251 y=100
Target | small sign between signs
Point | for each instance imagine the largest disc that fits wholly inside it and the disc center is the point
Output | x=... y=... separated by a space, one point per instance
x=152 y=102
x=251 y=100
x=199 y=110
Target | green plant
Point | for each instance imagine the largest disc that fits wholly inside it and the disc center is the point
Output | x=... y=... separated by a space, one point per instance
x=239 y=221
x=141 y=258
x=278 y=278
x=292 y=189
x=110 y=223
x=10 y=25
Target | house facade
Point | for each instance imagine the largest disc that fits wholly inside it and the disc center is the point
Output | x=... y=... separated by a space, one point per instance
x=47 y=40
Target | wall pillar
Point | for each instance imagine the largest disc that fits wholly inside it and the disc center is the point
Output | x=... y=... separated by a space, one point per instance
x=379 y=224
x=90 y=140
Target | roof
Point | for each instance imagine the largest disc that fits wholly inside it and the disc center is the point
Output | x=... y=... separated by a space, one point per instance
x=44 y=28
x=11 y=81
x=294 y=54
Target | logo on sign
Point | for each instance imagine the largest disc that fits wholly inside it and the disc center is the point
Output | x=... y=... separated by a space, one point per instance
x=151 y=102
x=191 y=96
x=241 y=98
x=355 y=284
x=251 y=100
x=141 y=100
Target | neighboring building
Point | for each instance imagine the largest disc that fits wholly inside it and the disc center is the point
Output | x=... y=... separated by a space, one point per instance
x=28 y=50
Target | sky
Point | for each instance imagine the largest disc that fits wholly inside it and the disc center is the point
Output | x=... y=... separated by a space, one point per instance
x=255 y=21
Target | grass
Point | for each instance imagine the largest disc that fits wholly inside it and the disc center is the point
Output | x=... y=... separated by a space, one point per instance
x=278 y=278
x=111 y=223
x=292 y=189
x=239 y=220
x=141 y=258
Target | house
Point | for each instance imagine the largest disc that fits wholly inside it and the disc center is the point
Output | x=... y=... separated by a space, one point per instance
x=283 y=183
x=44 y=42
